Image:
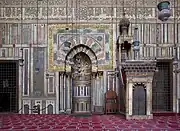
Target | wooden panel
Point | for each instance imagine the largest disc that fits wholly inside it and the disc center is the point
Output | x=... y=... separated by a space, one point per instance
x=111 y=105
x=139 y=100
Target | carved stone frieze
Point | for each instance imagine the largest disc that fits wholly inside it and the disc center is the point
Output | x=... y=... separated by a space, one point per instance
x=139 y=68
x=81 y=13
x=139 y=74
x=77 y=10
x=137 y=80
x=85 y=2
x=129 y=3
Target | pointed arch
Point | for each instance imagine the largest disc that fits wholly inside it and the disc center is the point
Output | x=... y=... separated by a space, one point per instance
x=81 y=48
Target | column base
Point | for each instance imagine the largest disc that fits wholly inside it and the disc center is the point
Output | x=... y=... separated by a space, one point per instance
x=139 y=117
x=68 y=111
x=61 y=112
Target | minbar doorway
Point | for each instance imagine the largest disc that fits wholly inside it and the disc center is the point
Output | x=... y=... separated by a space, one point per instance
x=8 y=86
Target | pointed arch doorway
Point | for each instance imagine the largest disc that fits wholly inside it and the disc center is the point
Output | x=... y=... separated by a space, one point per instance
x=139 y=99
x=81 y=83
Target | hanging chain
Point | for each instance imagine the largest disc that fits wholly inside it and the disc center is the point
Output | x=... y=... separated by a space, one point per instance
x=157 y=36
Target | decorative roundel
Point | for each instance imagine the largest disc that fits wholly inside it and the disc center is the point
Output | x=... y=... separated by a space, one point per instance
x=99 y=38
x=63 y=38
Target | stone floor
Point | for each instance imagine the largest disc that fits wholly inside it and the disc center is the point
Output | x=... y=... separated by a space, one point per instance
x=17 y=122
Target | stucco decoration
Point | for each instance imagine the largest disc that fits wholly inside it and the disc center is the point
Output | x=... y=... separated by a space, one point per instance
x=60 y=11
x=96 y=38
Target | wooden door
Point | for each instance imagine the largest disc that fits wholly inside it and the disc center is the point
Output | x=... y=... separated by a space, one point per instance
x=139 y=100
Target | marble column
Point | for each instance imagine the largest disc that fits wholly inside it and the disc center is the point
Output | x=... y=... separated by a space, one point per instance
x=102 y=91
x=68 y=101
x=130 y=98
x=57 y=91
x=64 y=92
x=127 y=99
x=61 y=92
x=92 y=92
x=149 y=98
x=105 y=81
x=71 y=92
x=117 y=85
x=97 y=91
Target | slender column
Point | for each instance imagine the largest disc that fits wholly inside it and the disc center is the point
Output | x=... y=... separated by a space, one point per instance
x=93 y=93
x=71 y=92
x=102 y=90
x=79 y=104
x=68 y=92
x=61 y=92
x=86 y=90
x=105 y=81
x=94 y=90
x=84 y=106
x=149 y=98
x=57 y=91
x=117 y=85
x=97 y=91
x=83 y=90
x=31 y=69
x=60 y=81
x=76 y=88
x=127 y=98
x=114 y=82
x=130 y=97
x=64 y=92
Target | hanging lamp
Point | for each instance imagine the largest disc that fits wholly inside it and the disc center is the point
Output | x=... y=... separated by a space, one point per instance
x=38 y=62
x=164 y=8
x=136 y=42
x=21 y=60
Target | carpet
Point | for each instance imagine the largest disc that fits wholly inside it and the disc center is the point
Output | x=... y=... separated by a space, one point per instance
x=19 y=122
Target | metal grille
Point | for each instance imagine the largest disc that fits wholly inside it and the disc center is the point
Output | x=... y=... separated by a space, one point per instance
x=162 y=88
x=8 y=86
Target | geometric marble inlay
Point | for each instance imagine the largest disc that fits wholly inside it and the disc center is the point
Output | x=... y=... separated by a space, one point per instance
x=96 y=37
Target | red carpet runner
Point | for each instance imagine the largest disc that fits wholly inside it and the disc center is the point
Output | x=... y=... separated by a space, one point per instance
x=17 y=122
